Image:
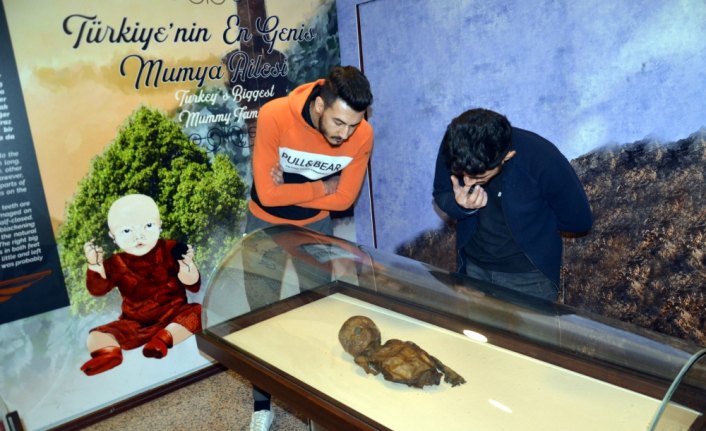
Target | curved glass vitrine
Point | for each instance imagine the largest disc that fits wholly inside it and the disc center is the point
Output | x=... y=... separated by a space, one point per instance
x=275 y=304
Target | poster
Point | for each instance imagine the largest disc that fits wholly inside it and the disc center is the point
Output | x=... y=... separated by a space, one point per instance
x=31 y=280
x=154 y=98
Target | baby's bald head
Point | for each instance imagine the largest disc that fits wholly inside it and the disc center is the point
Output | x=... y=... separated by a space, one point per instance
x=134 y=223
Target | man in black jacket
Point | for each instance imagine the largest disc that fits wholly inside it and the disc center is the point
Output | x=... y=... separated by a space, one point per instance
x=512 y=193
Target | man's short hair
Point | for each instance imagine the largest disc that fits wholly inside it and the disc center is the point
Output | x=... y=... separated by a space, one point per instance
x=348 y=84
x=476 y=141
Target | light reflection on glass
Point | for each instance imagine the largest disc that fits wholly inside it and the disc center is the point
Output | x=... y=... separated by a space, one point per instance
x=499 y=405
x=475 y=336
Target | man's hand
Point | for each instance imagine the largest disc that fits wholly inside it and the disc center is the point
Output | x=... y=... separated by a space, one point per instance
x=94 y=257
x=469 y=196
x=331 y=185
x=277 y=175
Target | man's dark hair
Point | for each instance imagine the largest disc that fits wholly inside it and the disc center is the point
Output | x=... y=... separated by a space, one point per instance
x=348 y=84
x=476 y=141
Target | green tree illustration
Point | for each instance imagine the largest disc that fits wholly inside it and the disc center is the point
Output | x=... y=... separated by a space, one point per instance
x=201 y=201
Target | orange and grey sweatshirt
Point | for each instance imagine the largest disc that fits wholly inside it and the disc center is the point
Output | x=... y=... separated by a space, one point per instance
x=307 y=159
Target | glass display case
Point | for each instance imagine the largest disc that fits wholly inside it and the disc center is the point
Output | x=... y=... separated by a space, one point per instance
x=275 y=304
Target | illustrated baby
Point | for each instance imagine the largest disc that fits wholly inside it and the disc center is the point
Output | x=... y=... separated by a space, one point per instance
x=152 y=276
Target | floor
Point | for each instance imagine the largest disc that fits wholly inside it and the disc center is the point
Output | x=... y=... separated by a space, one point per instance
x=220 y=402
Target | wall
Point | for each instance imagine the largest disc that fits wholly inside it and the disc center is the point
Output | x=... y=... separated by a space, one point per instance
x=617 y=86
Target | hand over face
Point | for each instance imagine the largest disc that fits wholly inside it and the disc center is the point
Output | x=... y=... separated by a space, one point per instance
x=469 y=196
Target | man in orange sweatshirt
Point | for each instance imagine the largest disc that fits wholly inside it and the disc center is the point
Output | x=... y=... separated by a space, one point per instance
x=311 y=151
x=310 y=155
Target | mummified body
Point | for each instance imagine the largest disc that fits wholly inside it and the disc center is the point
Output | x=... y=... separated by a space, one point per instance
x=398 y=361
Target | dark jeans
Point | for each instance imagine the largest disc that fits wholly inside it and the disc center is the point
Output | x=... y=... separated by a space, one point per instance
x=532 y=283
x=251 y=223
x=262 y=291
x=266 y=291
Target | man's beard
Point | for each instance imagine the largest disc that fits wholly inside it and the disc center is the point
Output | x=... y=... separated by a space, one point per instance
x=332 y=140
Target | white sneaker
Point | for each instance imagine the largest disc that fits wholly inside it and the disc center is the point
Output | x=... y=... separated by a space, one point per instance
x=261 y=420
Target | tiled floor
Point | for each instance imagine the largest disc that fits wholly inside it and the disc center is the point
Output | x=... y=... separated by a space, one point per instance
x=220 y=402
